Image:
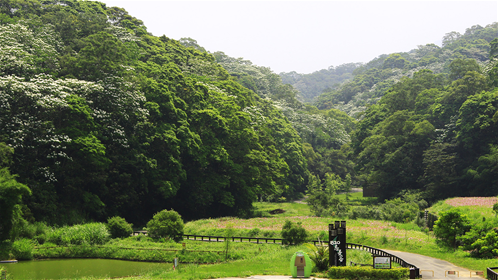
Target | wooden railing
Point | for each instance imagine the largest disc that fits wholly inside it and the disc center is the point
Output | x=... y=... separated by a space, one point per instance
x=258 y=240
x=491 y=274
x=382 y=253
x=212 y=238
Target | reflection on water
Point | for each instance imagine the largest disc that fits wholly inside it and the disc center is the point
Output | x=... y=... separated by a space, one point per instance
x=74 y=268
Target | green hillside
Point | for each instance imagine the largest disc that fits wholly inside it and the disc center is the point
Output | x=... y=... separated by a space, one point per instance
x=369 y=82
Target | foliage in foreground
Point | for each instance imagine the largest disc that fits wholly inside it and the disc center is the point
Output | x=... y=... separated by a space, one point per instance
x=362 y=272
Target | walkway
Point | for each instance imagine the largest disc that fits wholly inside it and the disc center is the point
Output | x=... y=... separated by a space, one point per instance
x=426 y=265
x=269 y=277
x=429 y=264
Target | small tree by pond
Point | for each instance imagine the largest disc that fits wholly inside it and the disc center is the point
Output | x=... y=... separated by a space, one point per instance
x=166 y=224
x=118 y=227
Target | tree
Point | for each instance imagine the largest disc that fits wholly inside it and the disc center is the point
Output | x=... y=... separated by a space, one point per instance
x=493 y=51
x=11 y=193
x=450 y=37
x=451 y=225
x=486 y=246
x=459 y=67
x=440 y=177
x=191 y=43
x=103 y=55
x=395 y=60
x=166 y=224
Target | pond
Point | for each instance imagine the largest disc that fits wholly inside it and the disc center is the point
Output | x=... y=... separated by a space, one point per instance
x=75 y=268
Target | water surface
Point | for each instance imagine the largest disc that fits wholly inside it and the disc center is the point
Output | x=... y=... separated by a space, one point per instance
x=74 y=268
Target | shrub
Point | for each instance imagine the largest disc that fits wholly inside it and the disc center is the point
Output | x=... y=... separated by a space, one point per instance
x=365 y=212
x=398 y=210
x=485 y=246
x=320 y=256
x=254 y=232
x=166 y=224
x=119 y=228
x=293 y=233
x=23 y=249
x=365 y=272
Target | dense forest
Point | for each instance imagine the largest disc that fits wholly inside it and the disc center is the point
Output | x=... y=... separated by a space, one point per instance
x=370 y=81
x=100 y=118
x=312 y=85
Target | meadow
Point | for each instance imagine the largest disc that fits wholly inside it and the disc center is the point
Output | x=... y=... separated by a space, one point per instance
x=201 y=260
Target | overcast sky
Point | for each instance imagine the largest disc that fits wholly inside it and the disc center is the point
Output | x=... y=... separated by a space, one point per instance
x=306 y=36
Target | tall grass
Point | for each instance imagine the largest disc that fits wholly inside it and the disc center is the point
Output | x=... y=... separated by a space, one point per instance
x=86 y=234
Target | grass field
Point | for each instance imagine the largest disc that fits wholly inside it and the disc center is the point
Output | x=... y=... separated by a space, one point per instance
x=252 y=259
x=380 y=234
x=474 y=207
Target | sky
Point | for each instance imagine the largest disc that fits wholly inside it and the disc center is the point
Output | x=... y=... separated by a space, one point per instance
x=307 y=36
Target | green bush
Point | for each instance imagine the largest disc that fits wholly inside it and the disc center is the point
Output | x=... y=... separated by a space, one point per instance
x=254 y=232
x=293 y=233
x=91 y=234
x=365 y=272
x=119 y=228
x=399 y=210
x=23 y=249
x=166 y=224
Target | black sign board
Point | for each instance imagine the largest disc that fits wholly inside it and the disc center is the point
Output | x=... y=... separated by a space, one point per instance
x=337 y=243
